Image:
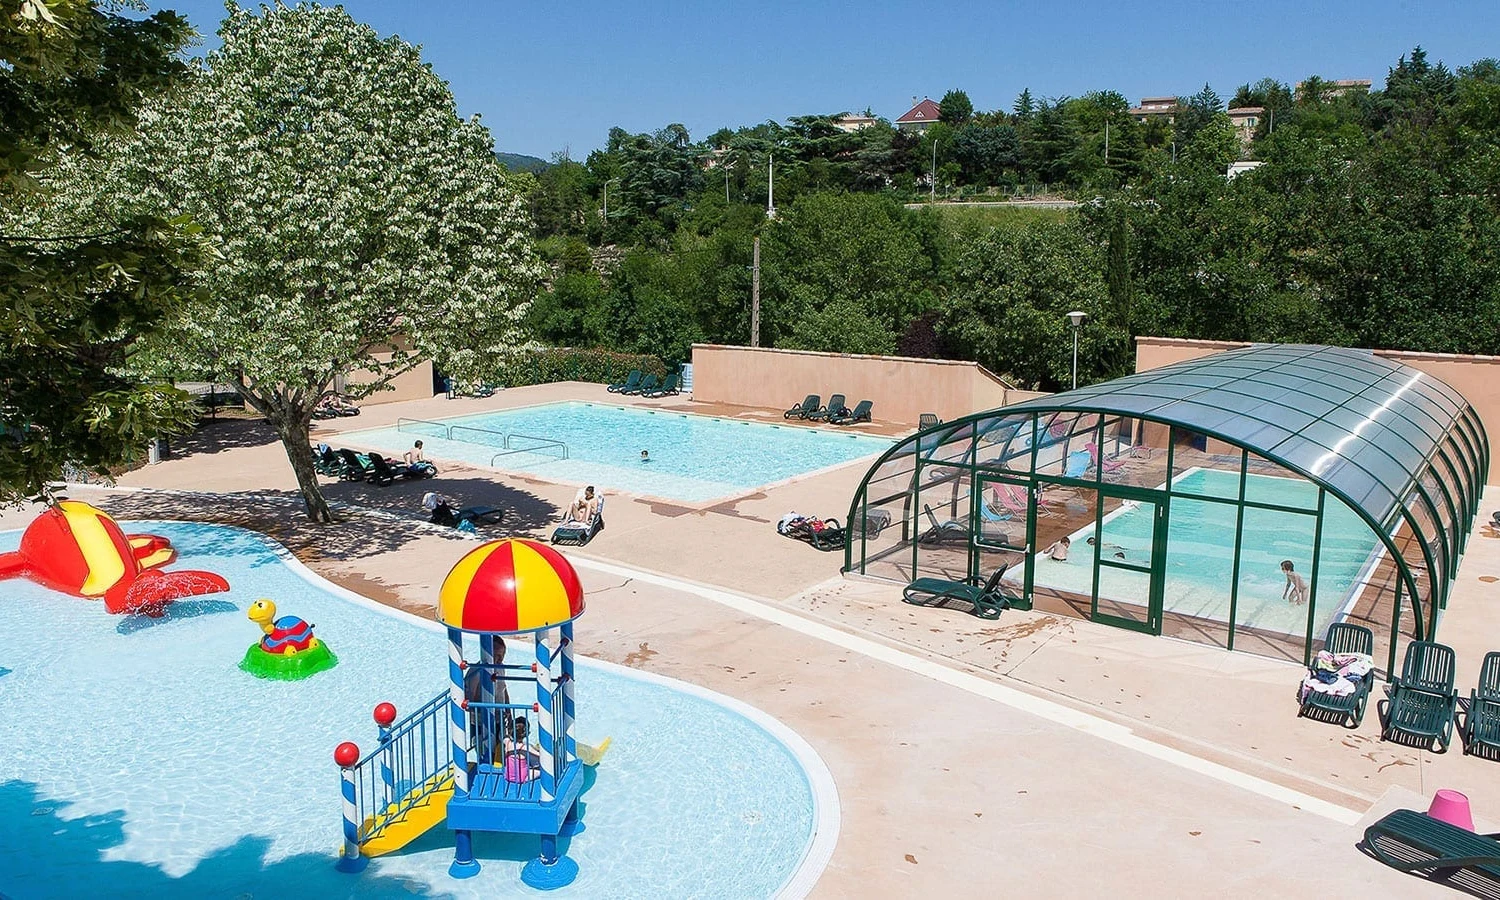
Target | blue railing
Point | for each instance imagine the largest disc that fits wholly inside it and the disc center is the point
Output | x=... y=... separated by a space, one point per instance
x=413 y=756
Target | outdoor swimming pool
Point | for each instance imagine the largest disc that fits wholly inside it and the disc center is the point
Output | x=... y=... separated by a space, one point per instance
x=1200 y=553
x=140 y=761
x=693 y=458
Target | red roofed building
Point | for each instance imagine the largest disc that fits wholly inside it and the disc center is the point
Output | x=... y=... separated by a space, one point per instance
x=920 y=117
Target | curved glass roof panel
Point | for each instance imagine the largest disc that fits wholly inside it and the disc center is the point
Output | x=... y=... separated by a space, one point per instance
x=1363 y=425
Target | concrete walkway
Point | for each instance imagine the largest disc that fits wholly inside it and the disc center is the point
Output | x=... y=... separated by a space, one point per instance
x=944 y=784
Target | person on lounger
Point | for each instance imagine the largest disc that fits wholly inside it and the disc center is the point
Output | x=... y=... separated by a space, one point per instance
x=416 y=464
x=585 y=504
x=443 y=509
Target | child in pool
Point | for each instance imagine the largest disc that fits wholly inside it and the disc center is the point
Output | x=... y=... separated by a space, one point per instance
x=1296 y=587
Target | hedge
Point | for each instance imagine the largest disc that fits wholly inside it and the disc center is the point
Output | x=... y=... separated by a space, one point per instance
x=568 y=364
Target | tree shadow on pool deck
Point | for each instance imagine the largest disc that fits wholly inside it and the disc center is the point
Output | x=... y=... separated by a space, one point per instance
x=43 y=854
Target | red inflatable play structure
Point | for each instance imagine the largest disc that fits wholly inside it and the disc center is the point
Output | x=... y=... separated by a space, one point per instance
x=80 y=550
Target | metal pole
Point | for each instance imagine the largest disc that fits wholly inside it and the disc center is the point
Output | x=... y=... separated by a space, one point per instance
x=755 y=297
x=932 y=193
x=606 y=204
x=1075 y=357
x=771 y=187
x=1106 y=142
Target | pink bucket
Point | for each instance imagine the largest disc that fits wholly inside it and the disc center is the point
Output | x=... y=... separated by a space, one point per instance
x=518 y=769
x=1453 y=808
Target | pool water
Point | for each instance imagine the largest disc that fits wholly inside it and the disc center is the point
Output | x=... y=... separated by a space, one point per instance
x=1200 y=553
x=140 y=761
x=692 y=458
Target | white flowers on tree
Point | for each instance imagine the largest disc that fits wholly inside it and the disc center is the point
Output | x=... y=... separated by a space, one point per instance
x=360 y=223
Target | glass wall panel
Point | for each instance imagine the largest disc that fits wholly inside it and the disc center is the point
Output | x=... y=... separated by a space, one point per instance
x=1272 y=603
x=886 y=528
x=1203 y=466
x=1199 y=570
x=945 y=506
x=1063 y=448
x=1126 y=457
x=1005 y=443
x=1064 y=585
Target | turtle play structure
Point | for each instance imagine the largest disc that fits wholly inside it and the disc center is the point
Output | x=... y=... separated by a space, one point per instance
x=81 y=550
x=495 y=751
x=288 y=651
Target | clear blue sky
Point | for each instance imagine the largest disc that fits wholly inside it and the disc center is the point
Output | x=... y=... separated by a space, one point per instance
x=548 y=76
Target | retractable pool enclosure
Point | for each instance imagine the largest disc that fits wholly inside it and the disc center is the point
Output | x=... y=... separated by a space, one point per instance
x=1246 y=499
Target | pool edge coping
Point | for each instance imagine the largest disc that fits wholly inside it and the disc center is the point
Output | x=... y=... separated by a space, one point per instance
x=827 y=812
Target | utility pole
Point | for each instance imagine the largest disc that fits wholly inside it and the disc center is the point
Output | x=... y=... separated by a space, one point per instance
x=606 y=204
x=755 y=296
x=770 y=191
x=932 y=193
x=1106 y=142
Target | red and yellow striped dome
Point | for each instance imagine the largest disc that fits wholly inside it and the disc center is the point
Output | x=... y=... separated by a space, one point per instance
x=514 y=585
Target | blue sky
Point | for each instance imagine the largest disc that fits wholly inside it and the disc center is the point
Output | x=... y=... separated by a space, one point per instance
x=553 y=76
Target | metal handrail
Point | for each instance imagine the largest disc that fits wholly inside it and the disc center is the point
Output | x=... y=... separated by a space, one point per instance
x=529 y=437
x=446 y=429
x=404 y=768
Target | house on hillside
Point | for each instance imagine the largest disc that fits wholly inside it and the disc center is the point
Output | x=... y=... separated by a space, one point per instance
x=1155 y=107
x=1332 y=89
x=850 y=122
x=1245 y=119
x=920 y=117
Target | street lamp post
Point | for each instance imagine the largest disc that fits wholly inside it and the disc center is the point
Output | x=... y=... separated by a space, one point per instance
x=1076 y=317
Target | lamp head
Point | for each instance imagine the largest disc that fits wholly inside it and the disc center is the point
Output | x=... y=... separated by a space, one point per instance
x=1077 y=317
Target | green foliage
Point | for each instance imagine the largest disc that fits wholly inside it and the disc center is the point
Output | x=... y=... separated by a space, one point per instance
x=847 y=272
x=78 y=297
x=955 y=109
x=567 y=364
x=1012 y=290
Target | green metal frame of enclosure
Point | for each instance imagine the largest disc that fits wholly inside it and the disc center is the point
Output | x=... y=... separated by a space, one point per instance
x=1394 y=444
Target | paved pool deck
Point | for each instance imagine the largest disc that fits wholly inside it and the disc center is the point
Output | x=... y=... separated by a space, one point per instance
x=1035 y=753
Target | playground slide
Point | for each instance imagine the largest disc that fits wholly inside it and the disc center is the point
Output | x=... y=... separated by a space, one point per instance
x=389 y=833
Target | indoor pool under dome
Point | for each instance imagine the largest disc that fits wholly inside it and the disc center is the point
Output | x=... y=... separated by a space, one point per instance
x=1247 y=499
x=692 y=458
x=142 y=761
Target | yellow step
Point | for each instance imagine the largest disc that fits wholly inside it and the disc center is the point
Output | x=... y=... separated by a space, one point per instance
x=392 y=831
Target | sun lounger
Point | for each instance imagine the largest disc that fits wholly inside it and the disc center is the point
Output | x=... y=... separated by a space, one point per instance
x=870 y=524
x=1415 y=842
x=835 y=407
x=823 y=534
x=1347 y=709
x=806 y=408
x=1481 y=731
x=986 y=601
x=669 y=386
x=631 y=382
x=326 y=461
x=355 y=469
x=928 y=420
x=860 y=413
x=381 y=472
x=943 y=532
x=647 y=385
x=1421 y=703
x=580 y=533
x=481 y=515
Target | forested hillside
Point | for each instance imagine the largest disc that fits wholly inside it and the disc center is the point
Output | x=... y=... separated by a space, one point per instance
x=1374 y=220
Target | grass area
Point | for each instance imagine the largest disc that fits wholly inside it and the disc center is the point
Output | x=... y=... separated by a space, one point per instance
x=959 y=215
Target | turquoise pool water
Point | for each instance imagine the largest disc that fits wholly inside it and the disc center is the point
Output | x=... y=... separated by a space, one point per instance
x=1200 y=553
x=693 y=458
x=140 y=761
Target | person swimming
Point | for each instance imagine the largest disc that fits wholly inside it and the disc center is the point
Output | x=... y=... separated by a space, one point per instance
x=1296 y=586
x=645 y=456
x=1107 y=547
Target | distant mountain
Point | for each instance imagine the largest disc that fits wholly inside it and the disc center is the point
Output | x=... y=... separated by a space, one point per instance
x=517 y=162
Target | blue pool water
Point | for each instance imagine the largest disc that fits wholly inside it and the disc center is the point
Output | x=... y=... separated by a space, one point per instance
x=140 y=761
x=693 y=458
x=1200 y=553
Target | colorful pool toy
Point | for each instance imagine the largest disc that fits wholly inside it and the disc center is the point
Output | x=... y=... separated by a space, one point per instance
x=78 y=549
x=288 y=650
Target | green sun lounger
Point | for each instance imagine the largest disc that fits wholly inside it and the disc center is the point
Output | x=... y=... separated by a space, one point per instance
x=1415 y=842
x=1421 y=703
x=835 y=407
x=631 y=382
x=807 y=408
x=668 y=387
x=985 y=600
x=860 y=413
x=647 y=385
x=1481 y=729
x=1349 y=709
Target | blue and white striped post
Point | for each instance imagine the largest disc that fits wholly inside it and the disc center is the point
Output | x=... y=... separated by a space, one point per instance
x=569 y=710
x=347 y=757
x=387 y=773
x=463 y=865
x=543 y=707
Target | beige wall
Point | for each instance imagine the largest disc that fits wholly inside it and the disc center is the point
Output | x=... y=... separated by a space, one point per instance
x=1476 y=377
x=901 y=388
x=414 y=384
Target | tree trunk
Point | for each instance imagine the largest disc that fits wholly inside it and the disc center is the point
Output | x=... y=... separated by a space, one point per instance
x=294 y=437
